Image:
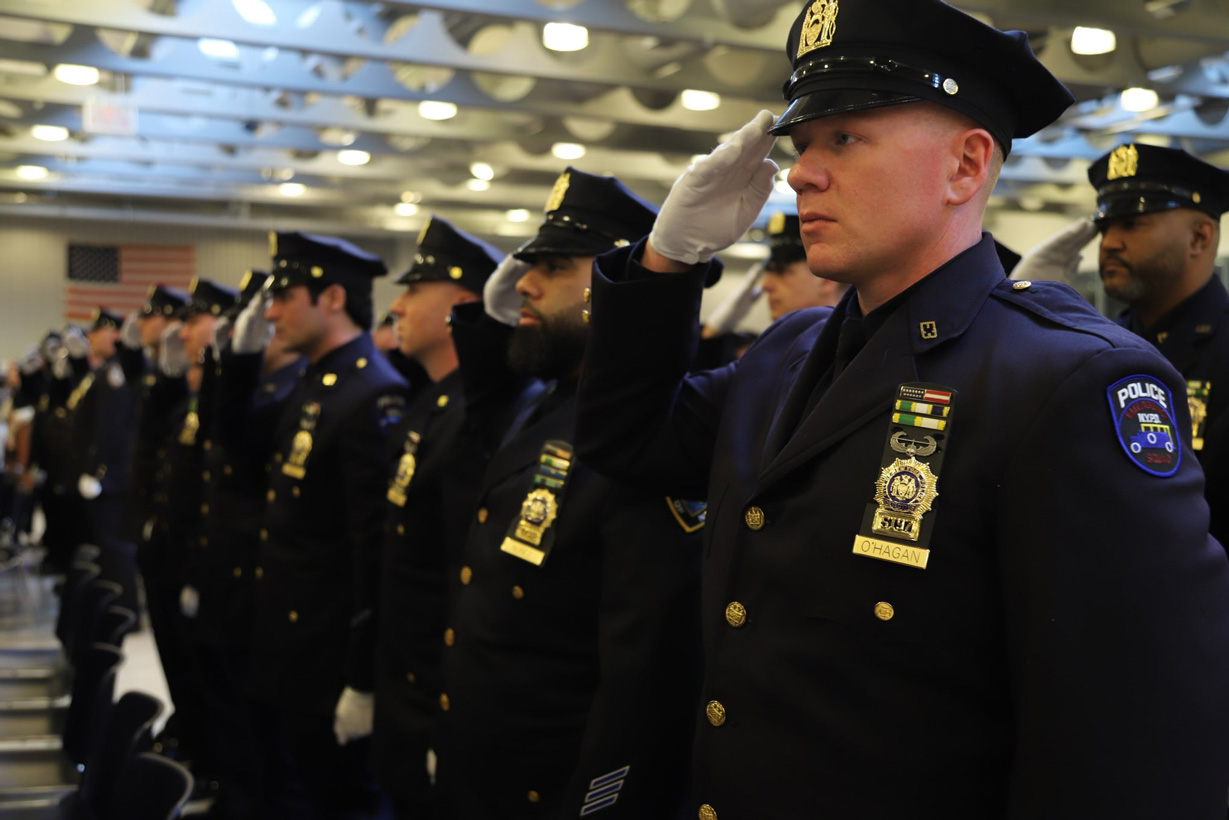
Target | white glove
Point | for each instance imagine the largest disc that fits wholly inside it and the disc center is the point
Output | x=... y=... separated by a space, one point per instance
x=50 y=349
x=189 y=601
x=717 y=198
x=252 y=330
x=737 y=304
x=74 y=341
x=353 y=717
x=499 y=297
x=130 y=332
x=89 y=487
x=221 y=334
x=60 y=368
x=32 y=362
x=172 y=357
x=1057 y=259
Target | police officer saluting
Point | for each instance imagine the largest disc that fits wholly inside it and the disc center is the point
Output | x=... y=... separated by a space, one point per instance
x=1159 y=212
x=314 y=641
x=939 y=581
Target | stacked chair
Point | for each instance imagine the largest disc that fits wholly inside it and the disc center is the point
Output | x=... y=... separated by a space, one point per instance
x=68 y=749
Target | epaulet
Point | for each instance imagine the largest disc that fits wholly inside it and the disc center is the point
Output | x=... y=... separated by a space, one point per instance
x=1063 y=305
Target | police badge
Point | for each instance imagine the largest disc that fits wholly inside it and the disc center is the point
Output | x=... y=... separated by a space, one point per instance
x=1197 y=402
x=818 y=27
x=530 y=536
x=1123 y=162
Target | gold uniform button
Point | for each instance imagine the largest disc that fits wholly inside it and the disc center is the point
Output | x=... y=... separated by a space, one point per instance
x=754 y=518
x=208 y=445
x=1023 y=284
x=269 y=496
x=204 y=541
x=584 y=316
x=587 y=295
x=264 y=535
x=411 y=677
x=293 y=616
x=450 y=637
x=517 y=592
x=237 y=572
x=442 y=401
x=884 y=611
x=259 y=572
x=707 y=812
x=444 y=702
x=205 y=475
x=295 y=491
x=533 y=796
x=715 y=712
x=483 y=512
x=204 y=509
x=466 y=575
x=227 y=470
x=277 y=458
x=328 y=379
x=735 y=614
x=401 y=529
x=361 y=363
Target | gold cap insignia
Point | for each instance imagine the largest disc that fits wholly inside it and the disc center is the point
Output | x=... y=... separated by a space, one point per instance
x=422 y=232
x=776 y=223
x=272 y=243
x=1124 y=162
x=243 y=283
x=556 y=193
x=454 y=272
x=152 y=290
x=192 y=285
x=818 y=27
x=317 y=271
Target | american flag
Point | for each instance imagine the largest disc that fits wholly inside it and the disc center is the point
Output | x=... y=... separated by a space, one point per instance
x=118 y=277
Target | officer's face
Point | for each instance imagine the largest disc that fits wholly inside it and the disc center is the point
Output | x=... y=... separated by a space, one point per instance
x=794 y=287
x=102 y=341
x=870 y=187
x=196 y=333
x=422 y=311
x=297 y=321
x=554 y=285
x=151 y=328
x=1142 y=255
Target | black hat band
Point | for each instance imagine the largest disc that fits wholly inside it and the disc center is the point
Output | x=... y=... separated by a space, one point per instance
x=568 y=221
x=1136 y=186
x=837 y=67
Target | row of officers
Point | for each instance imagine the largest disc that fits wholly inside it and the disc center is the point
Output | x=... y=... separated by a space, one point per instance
x=939 y=549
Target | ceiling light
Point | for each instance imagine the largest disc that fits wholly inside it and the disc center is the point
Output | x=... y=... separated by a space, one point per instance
x=478 y=185
x=567 y=150
x=256 y=12
x=435 y=110
x=781 y=186
x=76 y=74
x=564 y=37
x=218 y=49
x=49 y=133
x=1031 y=203
x=352 y=157
x=1139 y=99
x=31 y=172
x=25 y=68
x=292 y=189
x=411 y=196
x=482 y=170
x=518 y=215
x=1085 y=40
x=696 y=100
x=405 y=209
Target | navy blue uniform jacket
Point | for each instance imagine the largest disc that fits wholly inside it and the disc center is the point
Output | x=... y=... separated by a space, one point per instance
x=1066 y=652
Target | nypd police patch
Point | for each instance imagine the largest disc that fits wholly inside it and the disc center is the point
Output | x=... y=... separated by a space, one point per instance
x=1142 y=409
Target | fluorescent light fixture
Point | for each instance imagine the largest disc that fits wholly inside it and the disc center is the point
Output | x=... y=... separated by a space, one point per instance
x=218 y=49
x=411 y=196
x=76 y=74
x=518 y=215
x=24 y=68
x=405 y=209
x=49 y=133
x=1139 y=99
x=351 y=156
x=564 y=37
x=478 y=185
x=1085 y=40
x=781 y=186
x=482 y=170
x=256 y=12
x=31 y=172
x=567 y=150
x=695 y=100
x=436 y=110
x=292 y=189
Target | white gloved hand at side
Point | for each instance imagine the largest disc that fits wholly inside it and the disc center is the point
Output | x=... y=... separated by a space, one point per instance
x=75 y=342
x=352 y=720
x=189 y=601
x=716 y=199
x=31 y=362
x=737 y=303
x=89 y=487
x=130 y=332
x=1057 y=259
x=252 y=330
x=499 y=297
x=172 y=356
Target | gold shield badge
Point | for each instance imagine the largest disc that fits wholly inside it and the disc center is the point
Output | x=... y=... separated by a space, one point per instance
x=818 y=27
x=776 y=223
x=904 y=492
x=187 y=433
x=538 y=512
x=556 y=193
x=300 y=449
x=1124 y=162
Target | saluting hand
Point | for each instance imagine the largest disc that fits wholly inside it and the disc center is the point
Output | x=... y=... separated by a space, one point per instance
x=172 y=356
x=252 y=329
x=1057 y=259
x=499 y=297
x=130 y=332
x=717 y=198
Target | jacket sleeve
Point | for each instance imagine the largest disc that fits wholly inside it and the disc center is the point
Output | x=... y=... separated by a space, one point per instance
x=640 y=416
x=363 y=461
x=636 y=751
x=1116 y=603
x=489 y=383
x=234 y=396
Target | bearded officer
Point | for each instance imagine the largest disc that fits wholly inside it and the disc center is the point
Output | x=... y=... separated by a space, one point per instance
x=1159 y=212
x=313 y=651
x=939 y=581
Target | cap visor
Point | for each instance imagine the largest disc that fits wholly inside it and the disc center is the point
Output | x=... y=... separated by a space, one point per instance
x=825 y=103
x=555 y=241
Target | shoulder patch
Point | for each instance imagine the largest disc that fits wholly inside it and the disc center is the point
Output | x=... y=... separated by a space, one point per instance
x=115 y=375
x=689 y=514
x=1142 y=410
x=389 y=410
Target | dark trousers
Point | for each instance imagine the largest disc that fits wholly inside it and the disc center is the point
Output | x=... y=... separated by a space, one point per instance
x=116 y=557
x=229 y=730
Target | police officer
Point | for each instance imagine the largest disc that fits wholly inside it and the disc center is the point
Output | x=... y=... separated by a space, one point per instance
x=1159 y=213
x=939 y=579
x=435 y=470
x=570 y=651
x=788 y=282
x=314 y=640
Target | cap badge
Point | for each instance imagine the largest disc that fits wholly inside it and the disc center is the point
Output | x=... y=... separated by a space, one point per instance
x=272 y=243
x=455 y=272
x=556 y=193
x=1124 y=162
x=422 y=232
x=819 y=26
x=950 y=86
x=245 y=281
x=776 y=223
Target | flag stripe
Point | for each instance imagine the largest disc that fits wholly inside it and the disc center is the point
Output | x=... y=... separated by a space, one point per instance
x=119 y=277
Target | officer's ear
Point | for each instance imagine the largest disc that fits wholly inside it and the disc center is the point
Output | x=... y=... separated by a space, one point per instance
x=333 y=298
x=1204 y=235
x=973 y=150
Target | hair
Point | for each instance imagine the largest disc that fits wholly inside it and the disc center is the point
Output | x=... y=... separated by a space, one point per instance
x=359 y=307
